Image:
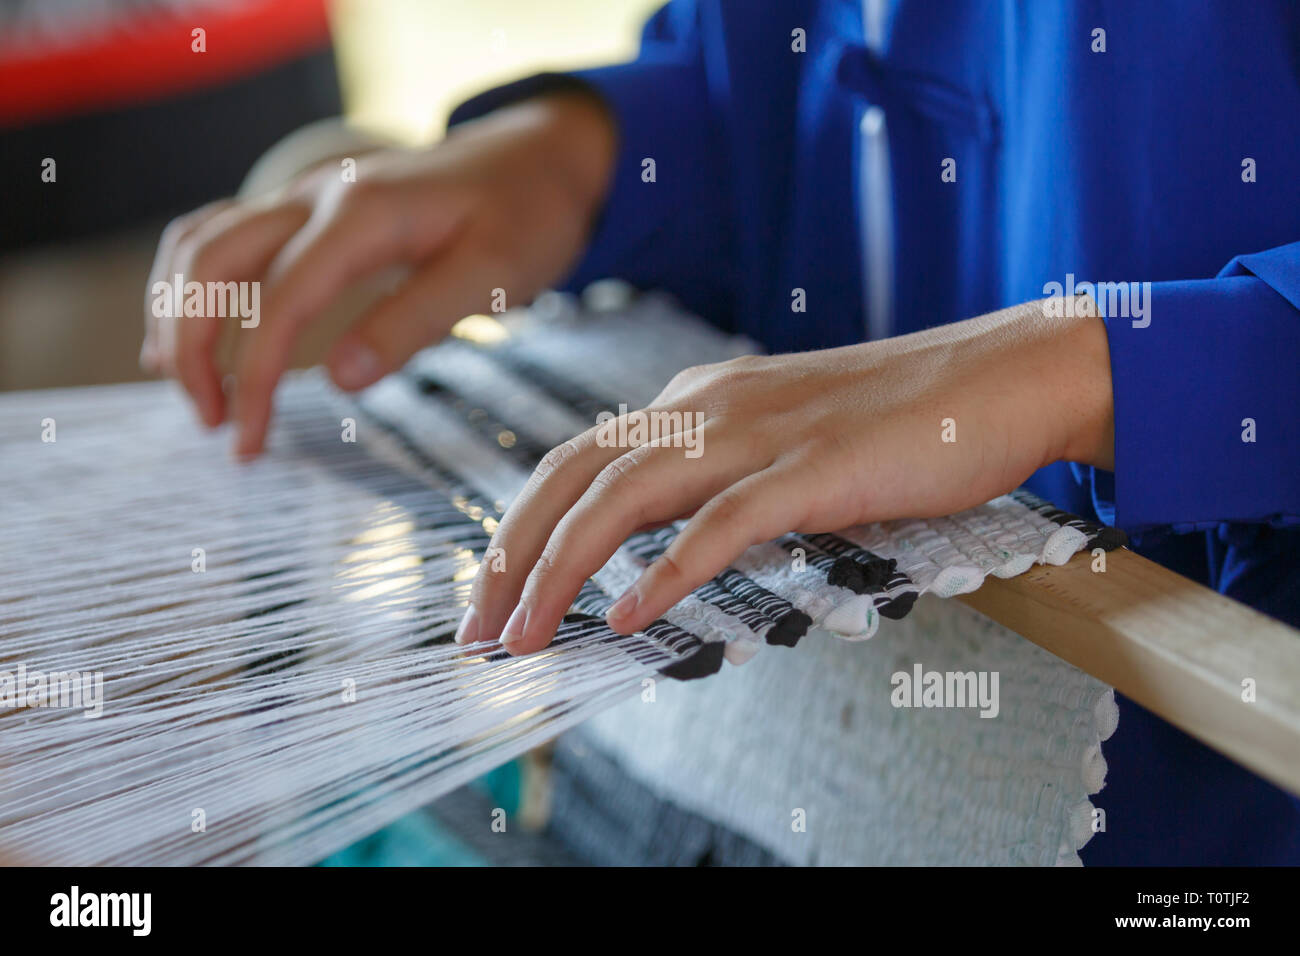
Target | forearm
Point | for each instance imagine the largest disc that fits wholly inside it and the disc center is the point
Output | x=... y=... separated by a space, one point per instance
x=571 y=136
x=580 y=141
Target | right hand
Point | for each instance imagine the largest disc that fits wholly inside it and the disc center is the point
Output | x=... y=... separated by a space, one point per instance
x=504 y=202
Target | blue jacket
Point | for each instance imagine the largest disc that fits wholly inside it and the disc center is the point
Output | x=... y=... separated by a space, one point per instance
x=1164 y=150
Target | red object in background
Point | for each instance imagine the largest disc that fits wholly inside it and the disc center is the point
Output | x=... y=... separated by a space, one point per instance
x=146 y=54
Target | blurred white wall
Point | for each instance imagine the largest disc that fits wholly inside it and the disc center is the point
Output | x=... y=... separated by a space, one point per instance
x=405 y=64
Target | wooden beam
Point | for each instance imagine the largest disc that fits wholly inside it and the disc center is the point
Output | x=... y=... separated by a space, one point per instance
x=1174 y=646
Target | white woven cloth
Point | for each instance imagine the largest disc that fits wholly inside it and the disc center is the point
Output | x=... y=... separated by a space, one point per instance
x=813 y=729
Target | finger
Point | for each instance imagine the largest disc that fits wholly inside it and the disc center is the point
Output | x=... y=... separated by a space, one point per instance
x=653 y=482
x=419 y=313
x=756 y=509
x=235 y=245
x=331 y=251
x=559 y=480
x=161 y=271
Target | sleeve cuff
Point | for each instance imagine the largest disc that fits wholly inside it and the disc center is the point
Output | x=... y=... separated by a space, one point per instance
x=1205 y=395
x=666 y=219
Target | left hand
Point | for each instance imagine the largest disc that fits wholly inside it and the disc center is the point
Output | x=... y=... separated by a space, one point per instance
x=815 y=441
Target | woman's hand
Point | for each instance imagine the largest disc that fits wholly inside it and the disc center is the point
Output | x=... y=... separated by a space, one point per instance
x=917 y=426
x=505 y=202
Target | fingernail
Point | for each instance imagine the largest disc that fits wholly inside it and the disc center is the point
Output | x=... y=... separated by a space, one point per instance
x=624 y=605
x=467 y=633
x=357 y=365
x=243 y=451
x=514 y=632
x=245 y=448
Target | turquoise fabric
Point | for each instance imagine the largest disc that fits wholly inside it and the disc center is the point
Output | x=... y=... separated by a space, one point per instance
x=421 y=839
x=415 y=840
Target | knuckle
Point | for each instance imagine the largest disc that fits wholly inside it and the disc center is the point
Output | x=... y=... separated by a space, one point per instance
x=670 y=566
x=707 y=385
x=357 y=200
x=686 y=378
x=348 y=195
x=186 y=224
x=483 y=582
x=172 y=233
x=178 y=228
x=746 y=362
x=728 y=508
x=618 y=474
x=203 y=256
x=547 y=563
x=827 y=448
x=735 y=370
x=556 y=458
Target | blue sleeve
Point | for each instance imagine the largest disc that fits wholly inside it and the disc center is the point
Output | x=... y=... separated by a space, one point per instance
x=1214 y=364
x=673 y=230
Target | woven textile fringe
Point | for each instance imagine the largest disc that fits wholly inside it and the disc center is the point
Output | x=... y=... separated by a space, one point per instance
x=274 y=640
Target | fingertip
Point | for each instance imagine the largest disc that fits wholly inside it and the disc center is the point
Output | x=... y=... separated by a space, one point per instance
x=148 y=358
x=622 y=616
x=247 y=446
x=213 y=418
x=528 y=631
x=252 y=411
x=354 y=365
x=205 y=415
x=468 y=631
x=208 y=401
x=218 y=410
x=512 y=635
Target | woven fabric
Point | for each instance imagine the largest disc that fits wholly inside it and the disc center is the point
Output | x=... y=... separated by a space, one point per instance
x=805 y=754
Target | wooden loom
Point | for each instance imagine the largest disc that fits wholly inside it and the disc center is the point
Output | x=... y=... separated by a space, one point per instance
x=1171 y=644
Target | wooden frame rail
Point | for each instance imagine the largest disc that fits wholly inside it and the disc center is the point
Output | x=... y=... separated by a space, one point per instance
x=1174 y=646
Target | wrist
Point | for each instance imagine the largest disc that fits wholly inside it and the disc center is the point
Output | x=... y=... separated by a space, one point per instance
x=1087 y=403
x=1049 y=366
x=582 y=145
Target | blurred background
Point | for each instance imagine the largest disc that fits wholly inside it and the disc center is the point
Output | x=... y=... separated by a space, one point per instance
x=141 y=125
